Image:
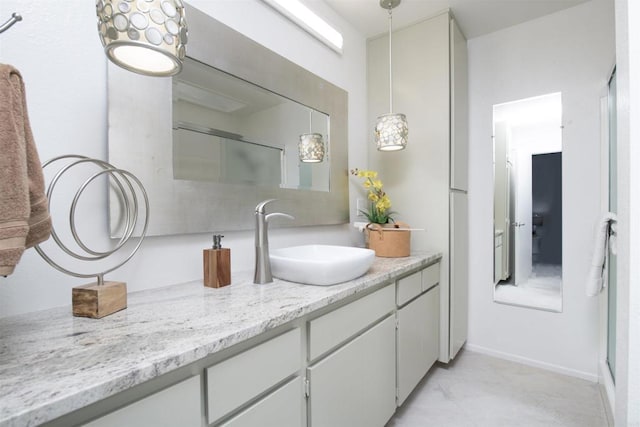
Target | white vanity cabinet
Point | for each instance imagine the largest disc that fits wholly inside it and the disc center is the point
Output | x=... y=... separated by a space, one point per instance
x=353 y=385
x=417 y=328
x=351 y=362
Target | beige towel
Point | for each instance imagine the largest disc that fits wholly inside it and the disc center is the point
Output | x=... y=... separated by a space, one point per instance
x=24 y=212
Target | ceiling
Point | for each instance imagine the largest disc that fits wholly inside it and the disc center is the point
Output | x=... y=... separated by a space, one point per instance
x=475 y=17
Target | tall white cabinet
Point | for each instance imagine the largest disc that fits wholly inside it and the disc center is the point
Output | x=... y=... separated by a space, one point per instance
x=427 y=182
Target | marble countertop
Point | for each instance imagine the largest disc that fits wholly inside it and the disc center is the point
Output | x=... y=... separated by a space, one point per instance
x=52 y=363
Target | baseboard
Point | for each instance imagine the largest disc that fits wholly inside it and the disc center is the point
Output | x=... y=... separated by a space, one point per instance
x=531 y=362
x=607 y=390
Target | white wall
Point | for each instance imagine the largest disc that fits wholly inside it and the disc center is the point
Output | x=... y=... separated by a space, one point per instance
x=627 y=388
x=572 y=52
x=56 y=48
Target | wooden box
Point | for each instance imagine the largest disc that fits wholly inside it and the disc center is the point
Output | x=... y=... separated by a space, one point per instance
x=97 y=301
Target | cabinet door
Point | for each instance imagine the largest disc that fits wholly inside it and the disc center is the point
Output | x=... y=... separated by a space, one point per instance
x=282 y=408
x=458 y=275
x=418 y=340
x=459 y=110
x=355 y=385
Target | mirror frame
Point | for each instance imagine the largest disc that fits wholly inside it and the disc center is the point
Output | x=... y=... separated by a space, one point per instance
x=145 y=149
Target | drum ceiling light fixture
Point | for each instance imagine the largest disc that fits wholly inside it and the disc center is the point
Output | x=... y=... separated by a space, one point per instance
x=144 y=36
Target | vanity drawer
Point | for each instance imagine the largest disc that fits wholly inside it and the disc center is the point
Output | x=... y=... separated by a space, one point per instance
x=180 y=405
x=333 y=328
x=408 y=288
x=282 y=408
x=430 y=276
x=240 y=378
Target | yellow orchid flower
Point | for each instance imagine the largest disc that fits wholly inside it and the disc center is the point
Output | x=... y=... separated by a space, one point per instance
x=379 y=211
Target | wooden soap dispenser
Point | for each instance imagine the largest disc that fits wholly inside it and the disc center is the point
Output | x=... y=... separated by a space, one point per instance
x=217 y=264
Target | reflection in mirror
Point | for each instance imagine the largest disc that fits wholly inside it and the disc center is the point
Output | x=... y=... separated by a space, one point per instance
x=528 y=202
x=200 y=154
x=231 y=131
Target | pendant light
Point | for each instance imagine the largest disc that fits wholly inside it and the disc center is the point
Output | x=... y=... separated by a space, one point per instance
x=311 y=145
x=392 y=129
x=145 y=36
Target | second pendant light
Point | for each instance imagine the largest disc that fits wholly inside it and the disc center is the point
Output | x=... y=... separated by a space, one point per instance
x=392 y=129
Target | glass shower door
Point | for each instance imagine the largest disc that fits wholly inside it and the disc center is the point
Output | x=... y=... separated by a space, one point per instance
x=613 y=207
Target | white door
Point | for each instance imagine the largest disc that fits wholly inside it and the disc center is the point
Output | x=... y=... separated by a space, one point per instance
x=521 y=225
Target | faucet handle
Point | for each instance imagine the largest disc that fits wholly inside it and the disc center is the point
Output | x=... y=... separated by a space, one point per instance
x=261 y=205
x=271 y=215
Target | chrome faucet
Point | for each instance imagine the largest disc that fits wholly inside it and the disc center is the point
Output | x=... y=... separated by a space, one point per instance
x=263 y=264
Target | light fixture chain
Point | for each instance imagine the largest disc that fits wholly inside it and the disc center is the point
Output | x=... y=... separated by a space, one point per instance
x=390 y=67
x=391 y=130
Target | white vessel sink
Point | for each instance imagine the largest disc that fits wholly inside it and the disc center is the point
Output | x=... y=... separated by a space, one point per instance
x=320 y=264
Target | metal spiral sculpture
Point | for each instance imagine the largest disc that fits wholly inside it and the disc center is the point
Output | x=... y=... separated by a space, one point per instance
x=124 y=185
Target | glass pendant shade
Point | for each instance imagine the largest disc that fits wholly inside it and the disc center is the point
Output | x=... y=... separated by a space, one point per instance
x=144 y=36
x=311 y=148
x=392 y=129
x=392 y=132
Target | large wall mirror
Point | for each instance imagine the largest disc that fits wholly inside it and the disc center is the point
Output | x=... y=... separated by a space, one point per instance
x=212 y=142
x=528 y=202
x=231 y=131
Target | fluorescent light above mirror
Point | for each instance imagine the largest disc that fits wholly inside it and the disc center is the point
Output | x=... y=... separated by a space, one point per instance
x=309 y=21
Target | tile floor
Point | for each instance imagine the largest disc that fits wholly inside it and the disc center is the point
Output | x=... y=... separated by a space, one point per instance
x=481 y=391
x=542 y=290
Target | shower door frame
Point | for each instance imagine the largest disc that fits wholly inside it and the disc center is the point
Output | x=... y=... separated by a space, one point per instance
x=605 y=377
